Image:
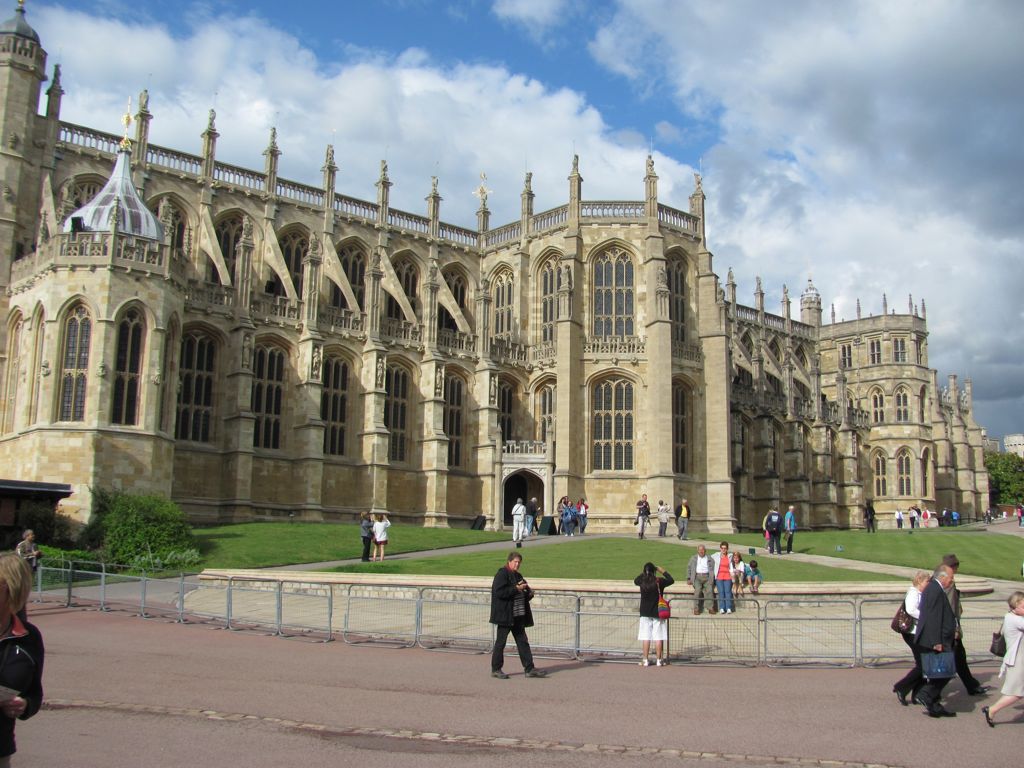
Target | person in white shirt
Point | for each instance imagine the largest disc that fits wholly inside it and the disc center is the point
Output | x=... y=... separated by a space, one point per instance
x=698 y=576
x=380 y=536
x=518 y=523
x=910 y=683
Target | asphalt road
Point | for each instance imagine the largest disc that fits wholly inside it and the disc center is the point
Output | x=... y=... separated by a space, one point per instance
x=125 y=692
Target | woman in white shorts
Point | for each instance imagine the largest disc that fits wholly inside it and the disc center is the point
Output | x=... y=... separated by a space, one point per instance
x=652 y=582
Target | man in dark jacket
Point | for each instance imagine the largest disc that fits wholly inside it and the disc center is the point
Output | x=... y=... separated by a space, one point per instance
x=971 y=683
x=936 y=630
x=510 y=612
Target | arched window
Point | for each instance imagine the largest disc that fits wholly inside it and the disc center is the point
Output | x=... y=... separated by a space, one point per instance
x=334 y=405
x=294 y=247
x=13 y=372
x=740 y=443
x=408 y=279
x=545 y=410
x=922 y=400
x=457 y=285
x=902 y=405
x=81 y=192
x=353 y=264
x=75 y=364
x=680 y=428
x=677 y=298
x=267 y=395
x=454 y=417
x=128 y=368
x=772 y=454
x=229 y=235
x=506 y=400
x=904 y=473
x=926 y=461
x=502 y=296
x=613 y=294
x=877 y=407
x=550 y=279
x=178 y=222
x=196 y=379
x=613 y=425
x=396 y=406
x=881 y=470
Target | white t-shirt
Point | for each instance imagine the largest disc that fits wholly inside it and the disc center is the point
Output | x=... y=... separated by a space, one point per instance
x=380 y=530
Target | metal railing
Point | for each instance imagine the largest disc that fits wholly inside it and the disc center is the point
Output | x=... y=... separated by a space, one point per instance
x=591 y=627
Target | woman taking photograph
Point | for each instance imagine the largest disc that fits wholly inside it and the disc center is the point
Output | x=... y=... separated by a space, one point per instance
x=1012 y=670
x=910 y=683
x=21 y=653
x=652 y=582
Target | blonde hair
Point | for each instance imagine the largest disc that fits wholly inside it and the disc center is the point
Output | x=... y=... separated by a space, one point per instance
x=15 y=573
x=1015 y=600
x=920 y=578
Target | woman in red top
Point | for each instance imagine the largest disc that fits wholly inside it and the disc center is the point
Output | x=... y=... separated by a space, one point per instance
x=722 y=568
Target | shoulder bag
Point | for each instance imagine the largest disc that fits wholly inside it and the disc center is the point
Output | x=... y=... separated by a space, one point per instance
x=998 y=647
x=902 y=621
x=664 y=608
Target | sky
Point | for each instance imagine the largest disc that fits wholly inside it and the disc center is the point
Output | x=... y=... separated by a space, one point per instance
x=872 y=146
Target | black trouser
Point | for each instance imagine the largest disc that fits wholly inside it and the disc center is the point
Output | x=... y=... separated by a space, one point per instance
x=522 y=644
x=367 y=542
x=971 y=683
x=774 y=542
x=911 y=682
x=789 y=542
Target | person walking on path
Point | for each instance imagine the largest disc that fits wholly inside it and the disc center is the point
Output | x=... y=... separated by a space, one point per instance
x=531 y=516
x=789 y=524
x=911 y=683
x=722 y=568
x=643 y=515
x=21 y=653
x=869 y=517
x=652 y=582
x=682 y=519
x=664 y=510
x=510 y=613
x=518 y=523
x=699 y=575
x=1012 y=668
x=899 y=519
x=582 y=509
x=971 y=683
x=773 y=525
x=28 y=550
x=380 y=536
x=366 y=534
x=936 y=629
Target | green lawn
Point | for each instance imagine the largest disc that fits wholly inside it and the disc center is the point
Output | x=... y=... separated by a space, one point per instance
x=260 y=545
x=617 y=559
x=981 y=553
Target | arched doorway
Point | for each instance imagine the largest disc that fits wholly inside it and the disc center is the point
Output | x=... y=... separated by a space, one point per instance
x=520 y=485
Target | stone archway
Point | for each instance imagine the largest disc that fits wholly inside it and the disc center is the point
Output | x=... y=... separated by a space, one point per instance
x=520 y=485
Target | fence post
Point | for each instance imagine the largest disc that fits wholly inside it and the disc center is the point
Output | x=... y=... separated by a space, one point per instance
x=142 y=600
x=577 y=641
x=278 y=609
x=103 y=589
x=39 y=583
x=227 y=619
x=71 y=581
x=330 y=612
x=419 y=617
x=181 y=598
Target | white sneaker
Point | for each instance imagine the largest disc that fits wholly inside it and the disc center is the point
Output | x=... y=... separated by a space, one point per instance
x=645 y=663
x=660 y=663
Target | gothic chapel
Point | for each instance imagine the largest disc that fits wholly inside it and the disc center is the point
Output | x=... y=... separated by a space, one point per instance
x=254 y=348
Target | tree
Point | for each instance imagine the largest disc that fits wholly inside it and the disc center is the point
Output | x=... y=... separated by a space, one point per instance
x=1005 y=477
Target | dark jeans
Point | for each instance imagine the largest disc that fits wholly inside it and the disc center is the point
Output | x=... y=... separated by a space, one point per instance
x=971 y=683
x=662 y=528
x=367 y=542
x=911 y=682
x=774 y=542
x=522 y=644
x=789 y=542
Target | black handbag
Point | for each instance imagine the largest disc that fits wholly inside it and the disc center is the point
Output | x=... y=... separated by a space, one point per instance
x=998 y=647
x=938 y=666
x=902 y=622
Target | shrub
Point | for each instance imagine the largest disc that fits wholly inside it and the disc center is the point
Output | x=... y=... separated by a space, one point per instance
x=144 y=526
x=50 y=526
x=92 y=534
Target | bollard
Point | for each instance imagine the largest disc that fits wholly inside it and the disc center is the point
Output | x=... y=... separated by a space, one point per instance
x=278 y=609
x=181 y=598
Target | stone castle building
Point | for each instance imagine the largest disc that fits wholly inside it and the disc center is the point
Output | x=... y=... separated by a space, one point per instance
x=255 y=348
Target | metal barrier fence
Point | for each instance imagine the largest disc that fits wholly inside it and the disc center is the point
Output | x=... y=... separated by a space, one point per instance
x=589 y=627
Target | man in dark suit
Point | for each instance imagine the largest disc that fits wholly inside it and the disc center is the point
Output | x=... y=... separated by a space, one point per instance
x=936 y=631
x=971 y=683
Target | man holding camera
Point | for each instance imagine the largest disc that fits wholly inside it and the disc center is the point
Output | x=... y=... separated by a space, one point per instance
x=510 y=612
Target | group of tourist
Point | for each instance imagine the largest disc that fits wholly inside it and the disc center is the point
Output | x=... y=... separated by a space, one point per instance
x=916 y=517
x=935 y=638
x=665 y=515
x=718 y=579
x=373 y=529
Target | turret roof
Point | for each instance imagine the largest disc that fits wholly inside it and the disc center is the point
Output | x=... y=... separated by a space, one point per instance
x=118 y=194
x=17 y=25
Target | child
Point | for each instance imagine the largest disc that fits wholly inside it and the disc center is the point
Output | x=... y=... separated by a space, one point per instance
x=754 y=577
x=739 y=575
x=380 y=536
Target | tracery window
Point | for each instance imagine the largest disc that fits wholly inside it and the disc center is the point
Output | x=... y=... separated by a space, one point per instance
x=196 y=378
x=612 y=437
x=550 y=280
x=899 y=350
x=846 y=356
x=880 y=470
x=396 y=406
x=677 y=298
x=229 y=235
x=506 y=399
x=267 y=395
x=877 y=407
x=875 y=351
x=75 y=364
x=613 y=294
x=334 y=405
x=13 y=372
x=294 y=247
x=502 y=293
x=128 y=368
x=902 y=405
x=408 y=279
x=904 y=472
x=545 y=410
x=926 y=461
x=680 y=427
x=454 y=416
x=353 y=264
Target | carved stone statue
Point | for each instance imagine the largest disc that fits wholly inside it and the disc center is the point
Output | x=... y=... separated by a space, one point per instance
x=316 y=363
x=246 y=351
x=380 y=371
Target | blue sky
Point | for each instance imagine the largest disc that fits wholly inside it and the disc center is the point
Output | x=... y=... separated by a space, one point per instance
x=873 y=146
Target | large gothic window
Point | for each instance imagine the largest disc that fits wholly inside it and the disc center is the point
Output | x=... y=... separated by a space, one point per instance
x=334 y=405
x=267 y=395
x=502 y=295
x=613 y=294
x=926 y=461
x=196 y=378
x=875 y=351
x=545 y=410
x=454 y=417
x=13 y=371
x=677 y=298
x=904 y=472
x=549 y=282
x=294 y=247
x=229 y=235
x=877 y=407
x=128 y=368
x=506 y=400
x=612 y=437
x=75 y=364
x=457 y=285
x=408 y=279
x=396 y=406
x=902 y=405
x=680 y=428
x=880 y=469
x=846 y=356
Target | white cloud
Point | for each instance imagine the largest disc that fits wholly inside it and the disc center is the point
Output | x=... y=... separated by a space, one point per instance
x=533 y=15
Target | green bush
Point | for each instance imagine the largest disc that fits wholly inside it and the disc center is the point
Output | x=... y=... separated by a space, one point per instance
x=144 y=527
x=50 y=526
x=92 y=534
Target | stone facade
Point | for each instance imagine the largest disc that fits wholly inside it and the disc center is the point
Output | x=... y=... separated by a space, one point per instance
x=283 y=350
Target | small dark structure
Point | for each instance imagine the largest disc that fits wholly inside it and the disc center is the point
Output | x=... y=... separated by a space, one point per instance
x=14 y=493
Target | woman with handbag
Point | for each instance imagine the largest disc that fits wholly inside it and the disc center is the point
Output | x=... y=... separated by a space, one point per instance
x=911 y=682
x=1012 y=670
x=653 y=582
